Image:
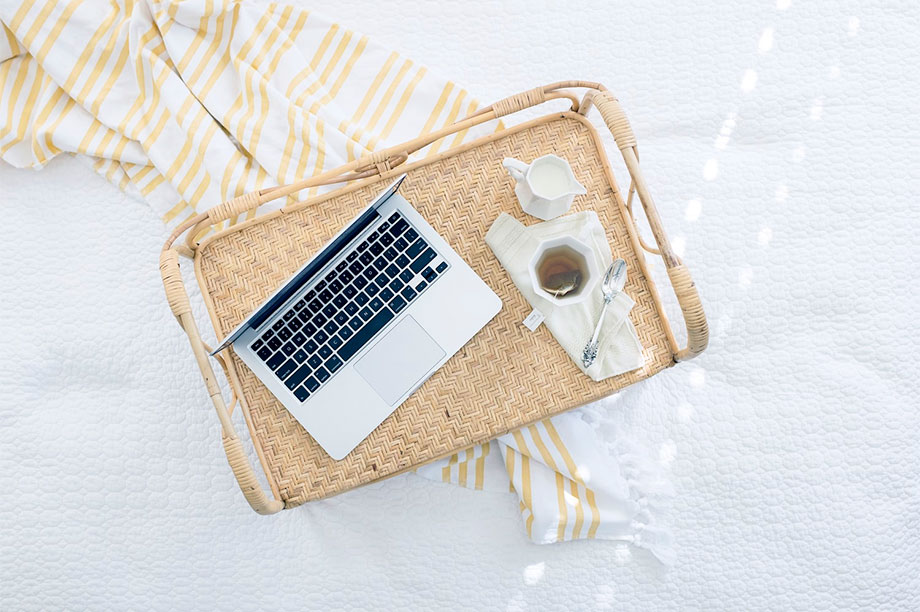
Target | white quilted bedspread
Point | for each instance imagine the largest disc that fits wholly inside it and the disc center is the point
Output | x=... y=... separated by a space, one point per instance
x=781 y=143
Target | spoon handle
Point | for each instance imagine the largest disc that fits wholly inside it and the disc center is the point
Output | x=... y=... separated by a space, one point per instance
x=590 y=353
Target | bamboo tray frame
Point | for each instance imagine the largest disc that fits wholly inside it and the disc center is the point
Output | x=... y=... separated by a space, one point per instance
x=237 y=267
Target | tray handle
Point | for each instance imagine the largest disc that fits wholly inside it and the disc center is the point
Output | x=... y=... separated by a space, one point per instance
x=684 y=288
x=178 y=300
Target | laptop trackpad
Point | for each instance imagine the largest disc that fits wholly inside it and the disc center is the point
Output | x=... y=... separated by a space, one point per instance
x=400 y=360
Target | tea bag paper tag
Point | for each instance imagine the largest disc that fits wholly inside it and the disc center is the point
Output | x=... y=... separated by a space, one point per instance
x=533 y=320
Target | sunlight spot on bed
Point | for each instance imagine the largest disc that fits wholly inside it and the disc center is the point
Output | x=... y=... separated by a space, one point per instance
x=711 y=169
x=679 y=244
x=725 y=132
x=749 y=80
x=817 y=109
x=583 y=473
x=764 y=236
x=697 y=377
x=667 y=453
x=622 y=554
x=783 y=4
x=745 y=277
x=685 y=412
x=781 y=193
x=798 y=154
x=766 y=40
x=534 y=573
x=570 y=499
x=853 y=26
x=694 y=209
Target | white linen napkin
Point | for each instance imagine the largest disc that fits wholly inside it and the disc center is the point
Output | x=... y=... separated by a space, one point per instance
x=619 y=349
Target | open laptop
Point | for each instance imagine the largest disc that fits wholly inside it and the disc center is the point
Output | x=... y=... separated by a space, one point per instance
x=364 y=323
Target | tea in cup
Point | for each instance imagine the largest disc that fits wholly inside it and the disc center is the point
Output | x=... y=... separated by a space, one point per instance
x=563 y=270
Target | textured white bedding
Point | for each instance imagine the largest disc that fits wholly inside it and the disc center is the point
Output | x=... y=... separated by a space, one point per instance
x=781 y=143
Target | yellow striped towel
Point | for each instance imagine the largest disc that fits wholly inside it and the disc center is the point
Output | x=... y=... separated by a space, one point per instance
x=187 y=104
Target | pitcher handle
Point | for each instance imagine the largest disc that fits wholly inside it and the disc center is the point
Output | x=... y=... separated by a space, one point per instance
x=515 y=167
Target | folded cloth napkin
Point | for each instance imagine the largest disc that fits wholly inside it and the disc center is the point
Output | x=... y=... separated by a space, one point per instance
x=619 y=349
x=186 y=104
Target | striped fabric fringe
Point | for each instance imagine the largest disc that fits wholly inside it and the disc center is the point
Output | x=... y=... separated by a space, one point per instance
x=188 y=104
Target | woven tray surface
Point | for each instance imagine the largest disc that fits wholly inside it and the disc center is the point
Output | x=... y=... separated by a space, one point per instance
x=504 y=378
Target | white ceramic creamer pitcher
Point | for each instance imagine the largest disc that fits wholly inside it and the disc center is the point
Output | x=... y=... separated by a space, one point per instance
x=546 y=187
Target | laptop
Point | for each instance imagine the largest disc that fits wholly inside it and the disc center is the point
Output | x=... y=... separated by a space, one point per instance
x=364 y=323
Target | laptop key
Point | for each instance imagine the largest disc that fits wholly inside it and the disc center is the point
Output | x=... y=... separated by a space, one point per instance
x=319 y=320
x=341 y=318
x=428 y=273
x=386 y=240
x=372 y=290
x=362 y=246
x=400 y=245
x=320 y=285
x=406 y=275
x=334 y=363
x=335 y=286
x=329 y=310
x=345 y=333
x=295 y=324
x=299 y=305
x=366 y=258
x=441 y=267
x=297 y=377
x=300 y=356
x=386 y=295
x=360 y=283
x=399 y=227
x=331 y=327
x=341 y=266
x=316 y=306
x=325 y=296
x=362 y=299
x=351 y=308
x=289 y=366
x=396 y=285
x=346 y=277
x=310 y=296
x=330 y=276
x=256 y=345
x=285 y=334
x=288 y=349
x=383 y=226
x=315 y=361
x=380 y=263
x=419 y=287
x=339 y=300
x=356 y=267
x=268 y=335
x=278 y=324
x=276 y=360
x=288 y=315
x=408 y=294
x=264 y=353
x=390 y=254
x=374 y=236
x=397 y=304
x=304 y=315
x=275 y=343
x=370 y=272
x=392 y=271
x=411 y=234
x=376 y=304
x=299 y=339
x=352 y=256
x=309 y=329
x=322 y=375
x=367 y=332
x=382 y=280
x=394 y=217
x=321 y=337
x=324 y=352
x=301 y=393
x=423 y=260
x=376 y=249
x=350 y=291
x=310 y=346
x=356 y=323
x=366 y=313
x=312 y=384
x=335 y=342
x=417 y=247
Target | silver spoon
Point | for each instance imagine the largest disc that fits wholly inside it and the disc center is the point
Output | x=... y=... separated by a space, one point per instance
x=614 y=280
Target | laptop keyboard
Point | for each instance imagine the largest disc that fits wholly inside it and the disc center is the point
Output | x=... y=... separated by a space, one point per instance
x=367 y=289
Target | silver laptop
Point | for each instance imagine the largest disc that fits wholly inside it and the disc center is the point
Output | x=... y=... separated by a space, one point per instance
x=364 y=323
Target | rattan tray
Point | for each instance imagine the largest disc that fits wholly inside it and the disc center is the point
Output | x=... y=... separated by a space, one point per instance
x=506 y=376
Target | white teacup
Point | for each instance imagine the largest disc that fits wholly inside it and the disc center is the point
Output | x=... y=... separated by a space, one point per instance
x=582 y=257
x=546 y=187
